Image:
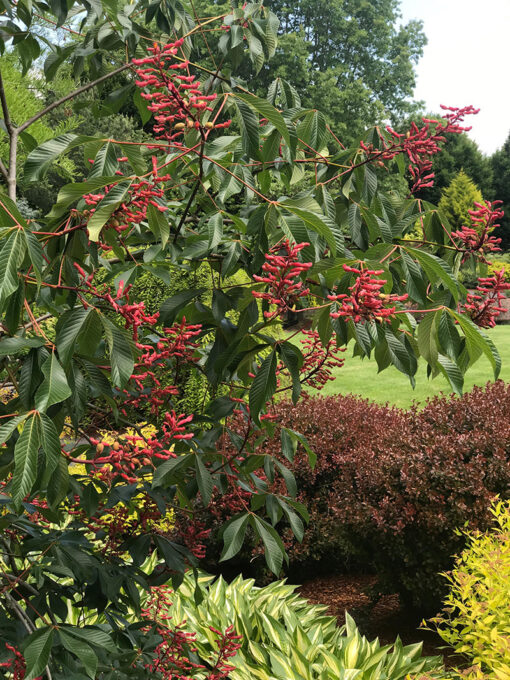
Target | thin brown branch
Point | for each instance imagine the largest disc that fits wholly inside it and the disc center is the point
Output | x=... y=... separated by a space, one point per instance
x=71 y=95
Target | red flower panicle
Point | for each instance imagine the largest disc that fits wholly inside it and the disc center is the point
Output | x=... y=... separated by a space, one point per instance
x=485 y=306
x=420 y=144
x=365 y=302
x=477 y=238
x=319 y=360
x=171 y=658
x=176 y=98
x=282 y=270
x=16 y=665
x=133 y=209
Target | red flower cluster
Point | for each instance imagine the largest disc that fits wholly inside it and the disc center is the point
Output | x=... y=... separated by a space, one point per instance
x=177 y=101
x=319 y=360
x=421 y=143
x=365 y=301
x=16 y=665
x=485 y=307
x=477 y=238
x=281 y=276
x=178 y=343
x=228 y=645
x=133 y=210
x=171 y=657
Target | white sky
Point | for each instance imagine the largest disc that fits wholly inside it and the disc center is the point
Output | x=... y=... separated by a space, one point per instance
x=466 y=61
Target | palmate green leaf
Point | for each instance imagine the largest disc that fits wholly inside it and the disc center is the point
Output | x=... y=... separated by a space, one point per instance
x=321 y=224
x=105 y=162
x=215 y=230
x=69 y=329
x=233 y=537
x=58 y=483
x=36 y=650
x=293 y=360
x=10 y=216
x=437 y=269
x=35 y=253
x=476 y=339
x=204 y=480
x=266 y=110
x=11 y=257
x=17 y=344
x=50 y=442
x=274 y=550
x=93 y=636
x=54 y=387
x=81 y=650
x=25 y=458
x=427 y=337
x=106 y=207
x=158 y=224
x=75 y=191
x=171 y=306
x=263 y=386
x=121 y=352
x=402 y=357
x=249 y=124
x=9 y=426
x=40 y=159
x=452 y=373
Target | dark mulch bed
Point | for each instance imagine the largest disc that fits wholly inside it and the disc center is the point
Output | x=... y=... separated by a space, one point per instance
x=385 y=620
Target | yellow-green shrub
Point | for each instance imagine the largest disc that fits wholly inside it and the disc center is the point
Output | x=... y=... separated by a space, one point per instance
x=497 y=266
x=476 y=617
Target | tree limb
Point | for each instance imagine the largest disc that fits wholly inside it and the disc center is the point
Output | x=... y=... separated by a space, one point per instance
x=71 y=95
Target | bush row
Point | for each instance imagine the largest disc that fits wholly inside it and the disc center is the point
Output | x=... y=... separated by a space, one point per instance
x=390 y=487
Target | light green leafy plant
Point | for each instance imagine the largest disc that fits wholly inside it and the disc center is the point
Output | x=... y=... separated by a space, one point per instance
x=476 y=617
x=285 y=637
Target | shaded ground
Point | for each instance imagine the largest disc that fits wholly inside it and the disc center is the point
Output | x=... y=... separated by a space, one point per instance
x=346 y=592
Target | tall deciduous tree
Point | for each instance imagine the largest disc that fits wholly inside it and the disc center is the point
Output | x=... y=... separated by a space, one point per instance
x=83 y=550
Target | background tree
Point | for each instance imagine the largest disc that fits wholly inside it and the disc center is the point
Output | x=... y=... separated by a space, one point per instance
x=459 y=197
x=500 y=165
x=349 y=58
x=460 y=153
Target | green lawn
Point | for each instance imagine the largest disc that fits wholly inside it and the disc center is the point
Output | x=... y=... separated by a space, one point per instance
x=361 y=377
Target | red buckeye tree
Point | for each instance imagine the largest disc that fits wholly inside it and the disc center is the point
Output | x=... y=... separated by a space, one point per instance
x=287 y=221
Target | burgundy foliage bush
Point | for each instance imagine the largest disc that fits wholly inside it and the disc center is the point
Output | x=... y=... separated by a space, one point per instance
x=391 y=486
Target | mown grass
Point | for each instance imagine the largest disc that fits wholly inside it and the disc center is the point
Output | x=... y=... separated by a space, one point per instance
x=360 y=377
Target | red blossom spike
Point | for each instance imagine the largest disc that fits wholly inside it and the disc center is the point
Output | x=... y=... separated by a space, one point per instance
x=282 y=270
x=485 y=306
x=366 y=301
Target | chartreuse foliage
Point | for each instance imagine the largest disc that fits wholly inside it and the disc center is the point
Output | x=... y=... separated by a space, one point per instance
x=475 y=620
x=194 y=196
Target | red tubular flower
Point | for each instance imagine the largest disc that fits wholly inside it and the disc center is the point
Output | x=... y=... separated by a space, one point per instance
x=420 y=144
x=175 y=99
x=485 y=306
x=477 y=238
x=319 y=360
x=16 y=665
x=365 y=301
x=281 y=276
x=133 y=209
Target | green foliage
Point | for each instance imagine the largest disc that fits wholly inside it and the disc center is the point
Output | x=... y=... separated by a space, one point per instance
x=475 y=620
x=191 y=197
x=459 y=197
x=286 y=637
